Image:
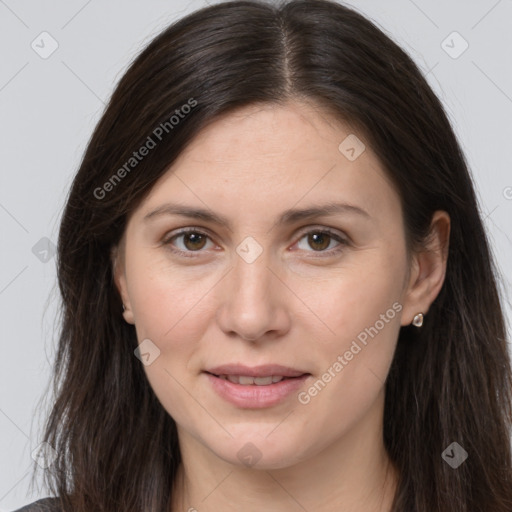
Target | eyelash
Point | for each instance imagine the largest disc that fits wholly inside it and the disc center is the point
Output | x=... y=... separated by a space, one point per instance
x=192 y=254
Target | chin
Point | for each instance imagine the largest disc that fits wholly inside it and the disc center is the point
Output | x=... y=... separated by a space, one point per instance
x=255 y=451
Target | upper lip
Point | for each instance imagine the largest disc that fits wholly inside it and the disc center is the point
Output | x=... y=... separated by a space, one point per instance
x=255 y=371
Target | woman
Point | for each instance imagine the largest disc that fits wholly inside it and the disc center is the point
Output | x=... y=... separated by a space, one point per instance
x=277 y=290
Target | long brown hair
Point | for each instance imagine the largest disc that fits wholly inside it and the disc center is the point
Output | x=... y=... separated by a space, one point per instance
x=449 y=382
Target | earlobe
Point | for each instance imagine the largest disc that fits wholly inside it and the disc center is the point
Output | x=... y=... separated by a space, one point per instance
x=128 y=315
x=428 y=271
x=119 y=276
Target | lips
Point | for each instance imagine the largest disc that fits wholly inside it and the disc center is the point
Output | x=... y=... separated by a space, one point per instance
x=256 y=396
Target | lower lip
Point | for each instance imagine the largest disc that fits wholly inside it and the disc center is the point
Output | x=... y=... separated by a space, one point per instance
x=253 y=396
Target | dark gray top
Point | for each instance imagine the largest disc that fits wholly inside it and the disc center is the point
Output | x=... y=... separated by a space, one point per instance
x=43 y=505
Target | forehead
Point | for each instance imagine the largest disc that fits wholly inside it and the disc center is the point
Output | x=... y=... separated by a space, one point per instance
x=269 y=133
x=263 y=159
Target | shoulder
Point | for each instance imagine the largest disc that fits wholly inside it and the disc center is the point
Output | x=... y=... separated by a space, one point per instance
x=42 y=505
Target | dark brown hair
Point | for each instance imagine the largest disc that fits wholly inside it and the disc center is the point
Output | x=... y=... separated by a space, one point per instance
x=449 y=381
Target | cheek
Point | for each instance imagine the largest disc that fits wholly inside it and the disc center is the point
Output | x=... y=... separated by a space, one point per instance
x=360 y=313
x=354 y=296
x=166 y=300
x=170 y=310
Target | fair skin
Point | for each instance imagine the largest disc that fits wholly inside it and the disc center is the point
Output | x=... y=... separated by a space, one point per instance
x=299 y=304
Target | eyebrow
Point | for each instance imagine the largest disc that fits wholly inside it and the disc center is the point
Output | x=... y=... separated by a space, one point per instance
x=287 y=217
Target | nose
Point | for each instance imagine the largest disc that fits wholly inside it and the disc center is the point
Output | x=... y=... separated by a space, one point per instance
x=254 y=302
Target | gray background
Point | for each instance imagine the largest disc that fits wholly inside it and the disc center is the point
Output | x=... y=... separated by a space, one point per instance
x=49 y=106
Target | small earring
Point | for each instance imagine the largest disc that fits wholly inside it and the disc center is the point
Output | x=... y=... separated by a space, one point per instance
x=124 y=309
x=418 y=320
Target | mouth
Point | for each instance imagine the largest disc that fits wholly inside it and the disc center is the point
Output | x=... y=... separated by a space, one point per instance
x=247 y=380
x=255 y=388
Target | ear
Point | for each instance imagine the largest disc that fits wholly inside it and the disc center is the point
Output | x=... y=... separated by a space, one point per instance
x=428 y=269
x=119 y=273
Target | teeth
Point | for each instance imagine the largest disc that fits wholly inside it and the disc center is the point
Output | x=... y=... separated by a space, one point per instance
x=262 y=381
x=245 y=380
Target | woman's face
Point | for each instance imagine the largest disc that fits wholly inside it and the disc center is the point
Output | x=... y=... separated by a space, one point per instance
x=258 y=281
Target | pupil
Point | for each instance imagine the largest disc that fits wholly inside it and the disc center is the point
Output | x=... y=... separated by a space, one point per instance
x=319 y=238
x=193 y=238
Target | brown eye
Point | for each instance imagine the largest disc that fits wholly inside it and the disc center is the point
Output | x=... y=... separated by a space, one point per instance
x=187 y=242
x=321 y=241
x=194 y=241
